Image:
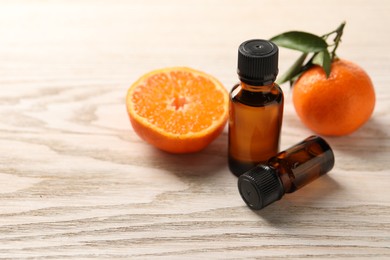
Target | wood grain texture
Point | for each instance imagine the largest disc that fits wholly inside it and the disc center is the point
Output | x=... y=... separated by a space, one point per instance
x=76 y=182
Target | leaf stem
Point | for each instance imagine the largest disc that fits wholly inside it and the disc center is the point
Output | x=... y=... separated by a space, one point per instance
x=309 y=44
x=337 y=40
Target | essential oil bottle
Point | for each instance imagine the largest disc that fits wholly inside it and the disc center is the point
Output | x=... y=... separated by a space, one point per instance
x=255 y=108
x=286 y=172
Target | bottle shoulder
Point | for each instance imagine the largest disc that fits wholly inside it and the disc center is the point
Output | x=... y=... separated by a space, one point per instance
x=257 y=95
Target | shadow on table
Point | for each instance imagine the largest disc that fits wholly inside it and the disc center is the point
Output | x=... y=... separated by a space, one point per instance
x=302 y=203
x=366 y=139
x=208 y=162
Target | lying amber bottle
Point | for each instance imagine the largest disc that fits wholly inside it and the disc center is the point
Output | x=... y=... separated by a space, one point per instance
x=286 y=172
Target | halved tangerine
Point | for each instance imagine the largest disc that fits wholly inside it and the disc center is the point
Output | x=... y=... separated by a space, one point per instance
x=178 y=110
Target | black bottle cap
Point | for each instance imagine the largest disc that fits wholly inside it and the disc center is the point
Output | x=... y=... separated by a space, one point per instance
x=260 y=187
x=258 y=62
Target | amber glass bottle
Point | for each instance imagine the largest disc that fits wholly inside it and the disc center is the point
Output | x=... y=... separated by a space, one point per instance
x=256 y=107
x=286 y=172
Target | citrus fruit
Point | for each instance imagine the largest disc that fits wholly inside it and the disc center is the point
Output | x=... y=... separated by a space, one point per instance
x=178 y=110
x=337 y=105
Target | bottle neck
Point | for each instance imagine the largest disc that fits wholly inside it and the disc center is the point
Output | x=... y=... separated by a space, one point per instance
x=258 y=88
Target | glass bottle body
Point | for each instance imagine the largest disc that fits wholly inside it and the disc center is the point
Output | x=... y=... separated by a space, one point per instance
x=303 y=163
x=255 y=122
x=286 y=172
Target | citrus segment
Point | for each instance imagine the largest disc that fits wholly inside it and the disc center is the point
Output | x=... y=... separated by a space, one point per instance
x=178 y=109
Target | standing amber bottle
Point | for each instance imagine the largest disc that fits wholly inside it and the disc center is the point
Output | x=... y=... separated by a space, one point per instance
x=256 y=107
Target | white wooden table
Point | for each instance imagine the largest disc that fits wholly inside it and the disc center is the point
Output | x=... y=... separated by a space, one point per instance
x=76 y=182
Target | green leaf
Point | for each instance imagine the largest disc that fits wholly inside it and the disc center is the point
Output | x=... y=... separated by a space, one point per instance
x=300 y=41
x=323 y=59
x=294 y=70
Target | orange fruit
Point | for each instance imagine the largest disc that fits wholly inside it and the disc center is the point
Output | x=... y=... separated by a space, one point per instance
x=178 y=110
x=337 y=105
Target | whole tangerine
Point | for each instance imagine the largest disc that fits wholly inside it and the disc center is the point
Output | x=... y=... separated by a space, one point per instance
x=337 y=105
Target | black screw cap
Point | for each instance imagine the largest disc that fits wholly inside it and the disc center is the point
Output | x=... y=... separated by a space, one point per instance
x=260 y=187
x=258 y=62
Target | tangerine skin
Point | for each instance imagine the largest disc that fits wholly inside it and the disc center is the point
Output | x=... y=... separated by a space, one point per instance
x=175 y=144
x=337 y=105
